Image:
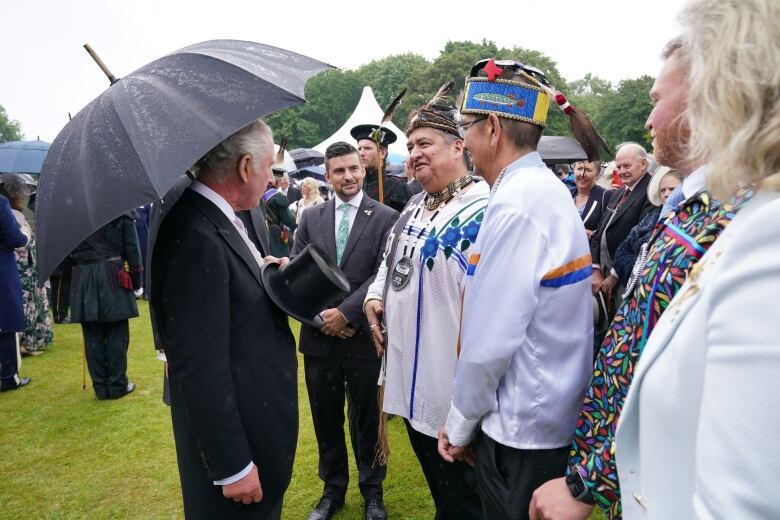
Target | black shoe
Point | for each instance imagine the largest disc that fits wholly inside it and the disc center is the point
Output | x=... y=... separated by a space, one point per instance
x=375 y=509
x=23 y=381
x=129 y=390
x=325 y=508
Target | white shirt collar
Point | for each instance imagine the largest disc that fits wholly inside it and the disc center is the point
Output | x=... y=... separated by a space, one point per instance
x=215 y=198
x=354 y=201
x=694 y=181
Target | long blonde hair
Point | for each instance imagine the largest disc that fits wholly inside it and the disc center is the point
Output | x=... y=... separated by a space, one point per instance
x=734 y=96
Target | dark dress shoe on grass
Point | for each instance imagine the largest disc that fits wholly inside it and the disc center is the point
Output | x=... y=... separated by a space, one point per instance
x=325 y=508
x=375 y=509
x=23 y=381
x=129 y=390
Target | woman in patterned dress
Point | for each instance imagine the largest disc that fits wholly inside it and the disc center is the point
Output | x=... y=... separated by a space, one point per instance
x=38 y=330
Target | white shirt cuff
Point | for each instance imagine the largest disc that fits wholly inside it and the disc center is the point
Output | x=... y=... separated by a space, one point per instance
x=596 y=266
x=613 y=272
x=235 y=478
x=460 y=430
x=161 y=356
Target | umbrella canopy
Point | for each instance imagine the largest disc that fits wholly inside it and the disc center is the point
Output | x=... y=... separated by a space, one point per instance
x=307 y=157
x=316 y=172
x=22 y=156
x=555 y=149
x=132 y=143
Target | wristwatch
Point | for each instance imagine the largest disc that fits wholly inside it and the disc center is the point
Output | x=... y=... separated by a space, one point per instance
x=577 y=487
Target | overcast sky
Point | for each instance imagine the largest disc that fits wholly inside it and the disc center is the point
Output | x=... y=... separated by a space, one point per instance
x=45 y=73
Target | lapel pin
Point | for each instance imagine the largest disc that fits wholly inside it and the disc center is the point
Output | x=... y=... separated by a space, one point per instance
x=367 y=212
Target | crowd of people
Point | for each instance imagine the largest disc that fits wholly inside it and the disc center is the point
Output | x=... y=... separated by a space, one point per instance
x=595 y=336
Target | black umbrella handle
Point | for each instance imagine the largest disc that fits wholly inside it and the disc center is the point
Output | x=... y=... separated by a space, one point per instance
x=103 y=67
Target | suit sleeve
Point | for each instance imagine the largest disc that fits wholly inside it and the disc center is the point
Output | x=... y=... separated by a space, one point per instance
x=132 y=252
x=197 y=325
x=352 y=306
x=739 y=413
x=11 y=235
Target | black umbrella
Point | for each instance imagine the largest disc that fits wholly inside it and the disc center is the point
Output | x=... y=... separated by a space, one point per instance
x=557 y=149
x=130 y=145
x=316 y=172
x=307 y=157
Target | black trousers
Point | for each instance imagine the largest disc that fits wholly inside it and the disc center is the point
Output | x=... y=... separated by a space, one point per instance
x=326 y=381
x=453 y=486
x=507 y=477
x=9 y=363
x=106 y=345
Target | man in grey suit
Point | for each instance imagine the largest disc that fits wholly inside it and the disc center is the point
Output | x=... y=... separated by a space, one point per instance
x=352 y=229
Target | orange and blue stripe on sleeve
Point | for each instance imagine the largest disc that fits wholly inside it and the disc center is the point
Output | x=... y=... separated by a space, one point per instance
x=473 y=261
x=570 y=273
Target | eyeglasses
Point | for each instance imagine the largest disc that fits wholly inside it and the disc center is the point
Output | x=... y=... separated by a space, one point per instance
x=464 y=127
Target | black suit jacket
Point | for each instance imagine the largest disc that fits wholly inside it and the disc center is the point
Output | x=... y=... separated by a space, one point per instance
x=233 y=367
x=628 y=215
x=360 y=262
x=594 y=207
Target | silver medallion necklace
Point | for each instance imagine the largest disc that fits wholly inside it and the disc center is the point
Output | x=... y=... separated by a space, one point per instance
x=404 y=268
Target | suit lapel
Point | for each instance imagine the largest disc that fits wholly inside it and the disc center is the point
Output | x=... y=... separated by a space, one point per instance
x=361 y=219
x=228 y=232
x=637 y=194
x=261 y=228
x=328 y=222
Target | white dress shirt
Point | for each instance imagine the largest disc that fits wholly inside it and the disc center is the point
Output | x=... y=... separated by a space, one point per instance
x=527 y=334
x=354 y=205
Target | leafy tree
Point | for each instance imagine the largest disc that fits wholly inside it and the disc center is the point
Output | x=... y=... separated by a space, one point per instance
x=624 y=112
x=9 y=130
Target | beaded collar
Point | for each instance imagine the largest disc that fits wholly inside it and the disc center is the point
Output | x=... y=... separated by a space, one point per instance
x=434 y=200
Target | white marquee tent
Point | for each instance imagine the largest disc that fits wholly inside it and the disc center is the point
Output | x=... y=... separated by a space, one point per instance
x=367 y=111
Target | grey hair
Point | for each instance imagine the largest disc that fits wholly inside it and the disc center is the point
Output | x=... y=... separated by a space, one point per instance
x=216 y=165
x=639 y=150
x=734 y=93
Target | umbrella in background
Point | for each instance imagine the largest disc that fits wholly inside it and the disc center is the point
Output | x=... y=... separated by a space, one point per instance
x=558 y=149
x=22 y=156
x=131 y=144
x=307 y=157
x=316 y=172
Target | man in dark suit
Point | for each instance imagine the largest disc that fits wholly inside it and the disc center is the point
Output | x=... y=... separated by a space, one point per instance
x=625 y=208
x=11 y=304
x=292 y=193
x=352 y=229
x=231 y=353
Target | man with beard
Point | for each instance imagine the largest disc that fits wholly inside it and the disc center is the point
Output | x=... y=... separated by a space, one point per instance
x=396 y=190
x=680 y=239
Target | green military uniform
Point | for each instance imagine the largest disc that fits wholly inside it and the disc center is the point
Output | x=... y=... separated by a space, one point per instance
x=281 y=222
x=102 y=300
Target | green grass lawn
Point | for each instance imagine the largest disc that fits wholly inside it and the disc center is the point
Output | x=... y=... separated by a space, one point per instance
x=67 y=455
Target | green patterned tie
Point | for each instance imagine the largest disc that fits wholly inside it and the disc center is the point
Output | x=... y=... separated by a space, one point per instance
x=343 y=233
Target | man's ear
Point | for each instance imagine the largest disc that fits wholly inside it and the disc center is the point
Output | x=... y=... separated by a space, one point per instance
x=383 y=152
x=244 y=167
x=494 y=127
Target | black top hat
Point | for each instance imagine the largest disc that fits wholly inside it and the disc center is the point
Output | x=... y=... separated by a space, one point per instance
x=386 y=136
x=305 y=286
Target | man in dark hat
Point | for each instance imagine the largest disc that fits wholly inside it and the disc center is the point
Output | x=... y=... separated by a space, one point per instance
x=231 y=353
x=395 y=190
x=351 y=228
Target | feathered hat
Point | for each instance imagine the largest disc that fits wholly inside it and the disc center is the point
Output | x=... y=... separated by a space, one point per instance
x=436 y=114
x=512 y=90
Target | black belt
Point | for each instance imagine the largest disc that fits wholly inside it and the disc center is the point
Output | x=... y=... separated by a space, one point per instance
x=85 y=261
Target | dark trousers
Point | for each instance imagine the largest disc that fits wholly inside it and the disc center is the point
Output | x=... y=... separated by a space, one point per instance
x=106 y=345
x=9 y=363
x=453 y=486
x=507 y=477
x=326 y=381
